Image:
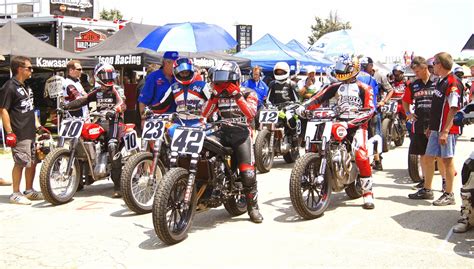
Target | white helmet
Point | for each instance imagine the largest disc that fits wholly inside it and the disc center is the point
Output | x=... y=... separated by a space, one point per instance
x=282 y=75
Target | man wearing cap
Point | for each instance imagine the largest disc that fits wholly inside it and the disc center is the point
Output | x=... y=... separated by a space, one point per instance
x=308 y=86
x=367 y=65
x=157 y=83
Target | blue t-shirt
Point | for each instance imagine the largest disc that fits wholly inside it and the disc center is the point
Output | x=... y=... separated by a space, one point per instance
x=259 y=87
x=155 y=88
x=366 y=78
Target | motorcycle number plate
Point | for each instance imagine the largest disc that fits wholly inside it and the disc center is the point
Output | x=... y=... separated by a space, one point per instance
x=71 y=128
x=312 y=128
x=130 y=140
x=187 y=140
x=268 y=116
x=153 y=129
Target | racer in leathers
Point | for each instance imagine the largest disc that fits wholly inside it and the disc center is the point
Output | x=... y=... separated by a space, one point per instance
x=187 y=94
x=282 y=91
x=466 y=221
x=238 y=105
x=107 y=99
x=399 y=85
x=351 y=94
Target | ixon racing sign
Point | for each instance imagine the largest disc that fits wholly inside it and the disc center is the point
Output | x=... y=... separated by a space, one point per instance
x=122 y=59
x=88 y=39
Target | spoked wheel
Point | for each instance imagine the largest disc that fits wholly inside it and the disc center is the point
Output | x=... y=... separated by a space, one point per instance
x=293 y=154
x=309 y=195
x=171 y=217
x=263 y=153
x=56 y=186
x=138 y=183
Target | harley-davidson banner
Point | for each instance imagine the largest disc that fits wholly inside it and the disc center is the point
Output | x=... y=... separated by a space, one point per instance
x=88 y=39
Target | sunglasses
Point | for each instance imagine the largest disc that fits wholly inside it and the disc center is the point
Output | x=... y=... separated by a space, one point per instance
x=28 y=67
x=79 y=69
x=435 y=62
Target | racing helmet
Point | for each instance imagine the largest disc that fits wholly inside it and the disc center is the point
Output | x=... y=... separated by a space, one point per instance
x=281 y=71
x=183 y=71
x=225 y=72
x=398 y=68
x=104 y=74
x=459 y=72
x=346 y=68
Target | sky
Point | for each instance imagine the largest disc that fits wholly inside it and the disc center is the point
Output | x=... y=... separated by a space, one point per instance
x=425 y=27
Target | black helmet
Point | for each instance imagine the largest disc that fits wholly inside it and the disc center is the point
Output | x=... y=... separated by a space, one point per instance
x=225 y=72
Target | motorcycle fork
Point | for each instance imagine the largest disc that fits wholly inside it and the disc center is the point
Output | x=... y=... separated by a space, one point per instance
x=272 y=137
x=191 y=179
x=322 y=167
x=156 y=156
x=70 y=162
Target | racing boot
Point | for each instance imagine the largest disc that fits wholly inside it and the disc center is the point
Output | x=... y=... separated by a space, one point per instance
x=112 y=147
x=367 y=194
x=466 y=220
x=251 y=196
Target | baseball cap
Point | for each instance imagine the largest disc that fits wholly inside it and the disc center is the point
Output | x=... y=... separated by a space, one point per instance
x=310 y=69
x=171 y=55
x=366 y=60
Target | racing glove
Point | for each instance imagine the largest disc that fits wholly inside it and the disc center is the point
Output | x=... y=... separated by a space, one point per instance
x=11 y=140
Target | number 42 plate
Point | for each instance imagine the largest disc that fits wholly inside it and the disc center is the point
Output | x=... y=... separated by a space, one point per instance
x=187 y=140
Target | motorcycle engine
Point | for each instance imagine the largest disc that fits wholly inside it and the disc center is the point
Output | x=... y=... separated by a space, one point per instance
x=340 y=164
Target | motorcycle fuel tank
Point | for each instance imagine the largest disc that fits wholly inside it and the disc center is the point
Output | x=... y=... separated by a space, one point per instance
x=92 y=131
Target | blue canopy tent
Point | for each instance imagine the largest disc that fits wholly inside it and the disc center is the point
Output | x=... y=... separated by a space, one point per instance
x=297 y=46
x=268 y=50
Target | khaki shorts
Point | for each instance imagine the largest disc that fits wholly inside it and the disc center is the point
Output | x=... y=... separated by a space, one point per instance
x=24 y=153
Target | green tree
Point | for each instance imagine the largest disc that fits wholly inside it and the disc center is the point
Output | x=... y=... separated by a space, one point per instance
x=324 y=26
x=110 y=15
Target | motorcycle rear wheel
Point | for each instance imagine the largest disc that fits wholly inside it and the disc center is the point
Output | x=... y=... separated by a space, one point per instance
x=170 y=219
x=53 y=171
x=138 y=186
x=303 y=180
x=263 y=153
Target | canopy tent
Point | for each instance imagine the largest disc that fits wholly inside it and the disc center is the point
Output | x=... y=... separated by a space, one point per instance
x=121 y=49
x=469 y=44
x=297 y=46
x=15 y=41
x=267 y=51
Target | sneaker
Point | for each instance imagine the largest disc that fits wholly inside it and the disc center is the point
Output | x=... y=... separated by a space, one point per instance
x=420 y=185
x=33 y=195
x=378 y=166
x=4 y=182
x=422 y=194
x=462 y=226
x=19 y=199
x=445 y=199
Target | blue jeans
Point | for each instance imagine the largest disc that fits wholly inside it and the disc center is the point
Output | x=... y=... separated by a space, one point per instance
x=444 y=151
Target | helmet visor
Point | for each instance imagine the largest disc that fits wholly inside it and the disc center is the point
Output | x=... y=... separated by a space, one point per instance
x=343 y=67
x=223 y=76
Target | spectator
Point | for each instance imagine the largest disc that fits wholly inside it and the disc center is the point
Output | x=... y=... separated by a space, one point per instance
x=420 y=94
x=446 y=101
x=73 y=88
x=19 y=121
x=309 y=86
x=157 y=83
x=256 y=83
x=367 y=65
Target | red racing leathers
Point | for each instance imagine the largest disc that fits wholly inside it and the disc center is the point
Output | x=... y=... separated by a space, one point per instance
x=355 y=95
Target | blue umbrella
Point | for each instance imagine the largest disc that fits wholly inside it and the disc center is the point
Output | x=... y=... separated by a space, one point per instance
x=189 y=37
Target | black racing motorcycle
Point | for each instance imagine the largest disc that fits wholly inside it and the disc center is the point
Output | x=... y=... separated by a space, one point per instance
x=393 y=125
x=278 y=135
x=204 y=175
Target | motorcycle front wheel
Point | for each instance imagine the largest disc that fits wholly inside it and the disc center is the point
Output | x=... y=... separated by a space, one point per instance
x=171 y=218
x=57 y=187
x=309 y=197
x=138 y=185
x=386 y=134
x=263 y=153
